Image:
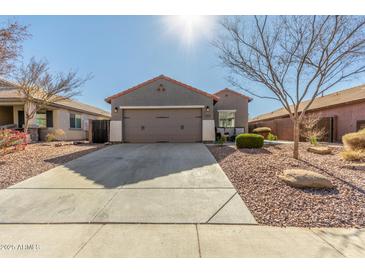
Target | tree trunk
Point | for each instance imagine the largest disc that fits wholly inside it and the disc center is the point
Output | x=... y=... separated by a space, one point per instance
x=26 y=125
x=296 y=139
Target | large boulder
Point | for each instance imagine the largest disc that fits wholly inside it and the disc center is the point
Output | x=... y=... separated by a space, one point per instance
x=320 y=150
x=301 y=178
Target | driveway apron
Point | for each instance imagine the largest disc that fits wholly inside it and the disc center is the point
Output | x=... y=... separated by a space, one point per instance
x=129 y=183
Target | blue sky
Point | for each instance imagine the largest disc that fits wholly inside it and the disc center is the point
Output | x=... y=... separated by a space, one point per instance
x=122 y=51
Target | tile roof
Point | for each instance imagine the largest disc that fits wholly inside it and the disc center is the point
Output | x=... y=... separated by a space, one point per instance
x=347 y=96
x=8 y=92
x=235 y=92
x=161 y=77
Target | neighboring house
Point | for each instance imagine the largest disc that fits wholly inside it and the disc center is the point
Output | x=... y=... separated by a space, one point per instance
x=342 y=112
x=69 y=115
x=165 y=110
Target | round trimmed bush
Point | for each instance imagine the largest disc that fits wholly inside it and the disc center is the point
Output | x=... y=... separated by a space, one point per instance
x=249 y=140
x=262 y=130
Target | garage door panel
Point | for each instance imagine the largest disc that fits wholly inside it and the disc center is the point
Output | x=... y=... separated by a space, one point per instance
x=167 y=125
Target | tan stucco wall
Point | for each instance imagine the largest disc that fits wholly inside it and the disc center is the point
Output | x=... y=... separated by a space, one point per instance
x=346 y=121
x=231 y=101
x=174 y=95
x=61 y=120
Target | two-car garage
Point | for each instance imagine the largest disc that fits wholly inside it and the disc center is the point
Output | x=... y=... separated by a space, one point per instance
x=162 y=125
x=162 y=110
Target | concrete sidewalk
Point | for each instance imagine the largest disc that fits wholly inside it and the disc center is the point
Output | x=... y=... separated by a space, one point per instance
x=169 y=240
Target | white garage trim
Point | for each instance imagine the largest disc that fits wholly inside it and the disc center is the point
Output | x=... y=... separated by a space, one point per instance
x=208 y=131
x=227 y=110
x=160 y=107
x=115 y=131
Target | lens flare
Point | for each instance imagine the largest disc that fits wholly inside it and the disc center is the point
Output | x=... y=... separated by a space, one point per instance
x=189 y=29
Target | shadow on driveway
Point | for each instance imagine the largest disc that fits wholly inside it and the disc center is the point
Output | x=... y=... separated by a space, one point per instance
x=127 y=164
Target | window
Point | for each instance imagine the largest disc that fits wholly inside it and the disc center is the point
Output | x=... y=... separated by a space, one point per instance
x=41 y=119
x=226 y=118
x=75 y=120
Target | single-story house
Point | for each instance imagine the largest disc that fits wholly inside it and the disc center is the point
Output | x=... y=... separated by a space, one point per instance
x=71 y=116
x=165 y=110
x=341 y=112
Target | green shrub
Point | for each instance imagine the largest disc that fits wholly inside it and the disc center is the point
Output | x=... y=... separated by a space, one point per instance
x=221 y=140
x=272 y=137
x=262 y=130
x=313 y=140
x=249 y=140
x=354 y=140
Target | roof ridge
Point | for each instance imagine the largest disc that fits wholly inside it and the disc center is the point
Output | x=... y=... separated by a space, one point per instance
x=164 y=77
x=233 y=91
x=320 y=98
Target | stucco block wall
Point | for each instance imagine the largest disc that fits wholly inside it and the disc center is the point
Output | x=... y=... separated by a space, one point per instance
x=174 y=95
x=346 y=121
x=347 y=117
x=231 y=101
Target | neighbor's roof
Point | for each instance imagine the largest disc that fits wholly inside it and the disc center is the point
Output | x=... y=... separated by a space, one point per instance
x=161 y=77
x=347 y=96
x=232 y=91
x=9 y=93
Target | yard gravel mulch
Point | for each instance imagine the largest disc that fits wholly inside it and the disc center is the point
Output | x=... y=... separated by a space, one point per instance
x=37 y=158
x=254 y=172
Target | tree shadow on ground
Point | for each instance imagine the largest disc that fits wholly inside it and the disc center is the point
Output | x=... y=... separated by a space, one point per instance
x=254 y=151
x=348 y=241
x=321 y=192
x=69 y=157
x=350 y=184
x=126 y=164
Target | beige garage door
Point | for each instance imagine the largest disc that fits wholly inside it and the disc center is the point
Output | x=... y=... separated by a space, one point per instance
x=162 y=125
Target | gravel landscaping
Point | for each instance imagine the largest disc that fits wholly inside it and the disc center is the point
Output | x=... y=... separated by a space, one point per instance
x=254 y=174
x=37 y=158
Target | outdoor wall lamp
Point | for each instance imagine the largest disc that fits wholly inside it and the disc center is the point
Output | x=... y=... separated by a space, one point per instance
x=207 y=109
x=116 y=109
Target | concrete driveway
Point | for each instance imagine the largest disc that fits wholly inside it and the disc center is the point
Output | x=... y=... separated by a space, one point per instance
x=129 y=183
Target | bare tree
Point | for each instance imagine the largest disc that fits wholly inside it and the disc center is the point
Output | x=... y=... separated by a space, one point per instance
x=11 y=36
x=311 y=129
x=40 y=88
x=295 y=58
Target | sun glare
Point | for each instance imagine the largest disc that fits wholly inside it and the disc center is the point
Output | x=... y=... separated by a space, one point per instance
x=189 y=28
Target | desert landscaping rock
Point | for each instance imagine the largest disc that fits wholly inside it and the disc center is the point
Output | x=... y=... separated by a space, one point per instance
x=320 y=150
x=301 y=178
x=254 y=173
x=37 y=158
x=356 y=166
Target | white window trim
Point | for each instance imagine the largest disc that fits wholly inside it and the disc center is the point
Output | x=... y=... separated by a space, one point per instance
x=227 y=110
x=81 y=121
